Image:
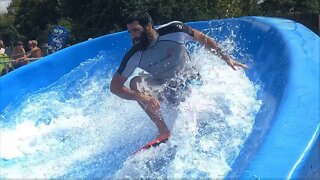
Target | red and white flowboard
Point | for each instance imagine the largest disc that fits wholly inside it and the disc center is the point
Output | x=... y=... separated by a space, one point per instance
x=154 y=143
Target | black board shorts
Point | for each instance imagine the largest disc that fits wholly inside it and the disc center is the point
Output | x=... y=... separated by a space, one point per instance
x=173 y=92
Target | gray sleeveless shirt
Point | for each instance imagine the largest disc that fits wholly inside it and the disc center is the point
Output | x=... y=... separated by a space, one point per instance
x=166 y=58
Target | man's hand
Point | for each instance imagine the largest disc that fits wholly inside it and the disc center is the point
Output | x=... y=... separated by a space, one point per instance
x=233 y=64
x=149 y=103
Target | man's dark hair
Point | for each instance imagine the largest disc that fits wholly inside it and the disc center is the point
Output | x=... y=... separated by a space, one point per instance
x=18 y=43
x=142 y=17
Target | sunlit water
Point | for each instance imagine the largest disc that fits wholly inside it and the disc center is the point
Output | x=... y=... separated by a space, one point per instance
x=76 y=128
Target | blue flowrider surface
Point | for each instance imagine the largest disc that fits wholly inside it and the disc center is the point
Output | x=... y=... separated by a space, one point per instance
x=59 y=120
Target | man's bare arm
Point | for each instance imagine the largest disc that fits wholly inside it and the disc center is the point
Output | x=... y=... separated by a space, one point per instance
x=117 y=87
x=210 y=44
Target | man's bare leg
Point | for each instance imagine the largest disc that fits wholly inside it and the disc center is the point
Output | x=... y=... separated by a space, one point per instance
x=155 y=116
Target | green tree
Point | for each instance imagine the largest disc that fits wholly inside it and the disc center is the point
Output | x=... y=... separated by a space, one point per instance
x=34 y=19
x=8 y=32
x=251 y=7
x=35 y=15
x=287 y=7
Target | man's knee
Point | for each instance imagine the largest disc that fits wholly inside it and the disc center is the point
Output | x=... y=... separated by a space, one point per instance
x=134 y=83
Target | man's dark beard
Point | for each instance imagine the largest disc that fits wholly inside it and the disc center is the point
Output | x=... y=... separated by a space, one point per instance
x=143 y=41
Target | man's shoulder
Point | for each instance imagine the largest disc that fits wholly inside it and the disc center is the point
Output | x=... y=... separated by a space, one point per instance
x=19 y=49
x=169 y=24
x=133 y=50
x=35 y=50
x=174 y=27
x=171 y=27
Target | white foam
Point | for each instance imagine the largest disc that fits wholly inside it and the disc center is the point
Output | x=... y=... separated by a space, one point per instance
x=210 y=129
x=74 y=121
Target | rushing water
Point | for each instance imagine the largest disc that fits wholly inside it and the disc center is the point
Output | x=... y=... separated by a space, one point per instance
x=76 y=128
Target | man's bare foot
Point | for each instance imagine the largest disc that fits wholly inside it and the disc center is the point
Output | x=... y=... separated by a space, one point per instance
x=162 y=136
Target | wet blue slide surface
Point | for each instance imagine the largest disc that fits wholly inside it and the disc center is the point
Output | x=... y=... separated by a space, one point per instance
x=284 y=142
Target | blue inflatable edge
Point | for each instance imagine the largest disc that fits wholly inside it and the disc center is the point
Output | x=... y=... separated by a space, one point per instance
x=294 y=129
x=284 y=142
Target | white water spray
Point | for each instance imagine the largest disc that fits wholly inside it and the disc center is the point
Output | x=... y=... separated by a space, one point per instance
x=76 y=128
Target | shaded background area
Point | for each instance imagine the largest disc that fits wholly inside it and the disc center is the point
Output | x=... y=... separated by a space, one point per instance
x=33 y=19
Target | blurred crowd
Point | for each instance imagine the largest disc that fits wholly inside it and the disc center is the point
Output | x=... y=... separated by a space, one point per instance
x=12 y=58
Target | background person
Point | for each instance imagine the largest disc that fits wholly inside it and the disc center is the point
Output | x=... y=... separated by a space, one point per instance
x=4 y=58
x=2 y=49
x=19 y=55
x=35 y=50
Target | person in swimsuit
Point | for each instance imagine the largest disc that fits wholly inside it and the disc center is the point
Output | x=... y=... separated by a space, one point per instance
x=162 y=53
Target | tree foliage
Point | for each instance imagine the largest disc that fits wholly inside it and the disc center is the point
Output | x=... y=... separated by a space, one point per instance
x=33 y=19
x=287 y=7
